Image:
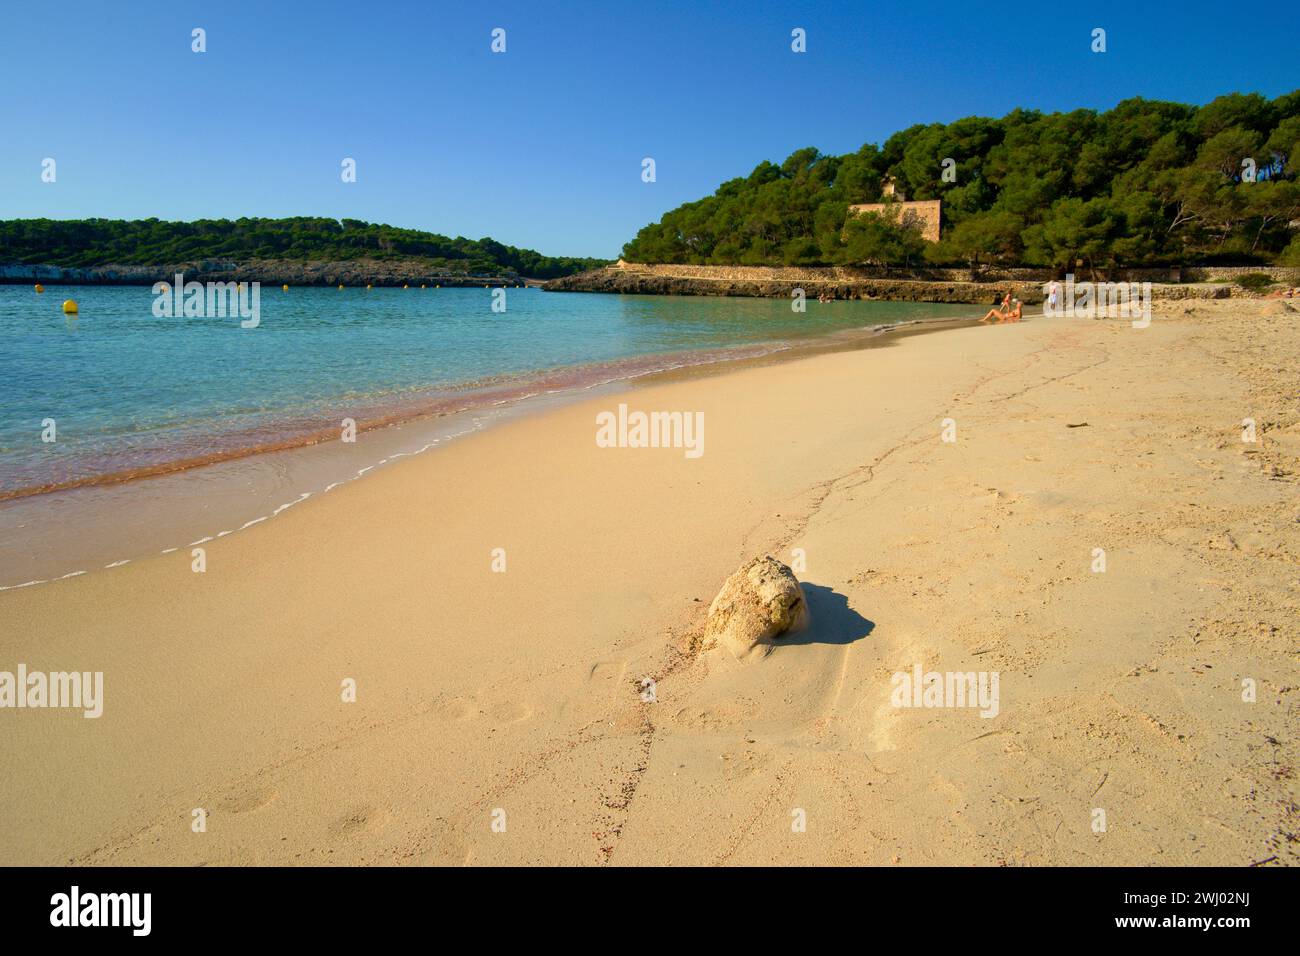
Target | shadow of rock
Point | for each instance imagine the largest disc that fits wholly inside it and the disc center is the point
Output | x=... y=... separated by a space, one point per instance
x=832 y=620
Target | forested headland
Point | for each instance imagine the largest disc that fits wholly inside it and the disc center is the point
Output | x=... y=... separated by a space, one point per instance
x=98 y=242
x=1147 y=183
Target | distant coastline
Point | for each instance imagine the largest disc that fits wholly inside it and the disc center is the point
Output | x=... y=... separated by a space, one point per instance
x=358 y=272
x=294 y=251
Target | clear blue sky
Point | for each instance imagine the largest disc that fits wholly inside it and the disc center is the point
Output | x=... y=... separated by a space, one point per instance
x=541 y=146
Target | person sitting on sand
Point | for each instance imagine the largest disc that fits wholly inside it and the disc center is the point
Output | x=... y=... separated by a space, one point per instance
x=1000 y=312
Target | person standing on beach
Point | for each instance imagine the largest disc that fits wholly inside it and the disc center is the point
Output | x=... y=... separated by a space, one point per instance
x=1053 y=297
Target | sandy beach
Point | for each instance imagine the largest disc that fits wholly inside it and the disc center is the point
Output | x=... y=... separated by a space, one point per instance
x=499 y=715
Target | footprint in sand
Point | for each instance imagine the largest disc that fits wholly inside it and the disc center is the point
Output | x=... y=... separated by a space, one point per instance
x=362 y=819
x=739 y=764
x=461 y=709
x=458 y=709
x=715 y=718
x=606 y=672
x=449 y=850
x=247 y=801
x=510 y=712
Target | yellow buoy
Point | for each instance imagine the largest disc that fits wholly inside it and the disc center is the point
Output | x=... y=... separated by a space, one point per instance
x=369 y=286
x=423 y=286
x=69 y=306
x=405 y=286
x=340 y=285
x=39 y=288
x=285 y=287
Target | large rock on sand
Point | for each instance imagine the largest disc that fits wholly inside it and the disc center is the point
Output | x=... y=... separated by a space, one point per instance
x=756 y=605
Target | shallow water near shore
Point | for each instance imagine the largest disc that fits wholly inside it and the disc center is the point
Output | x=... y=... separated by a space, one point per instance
x=139 y=397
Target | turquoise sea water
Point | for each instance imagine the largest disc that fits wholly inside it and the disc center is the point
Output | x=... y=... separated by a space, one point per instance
x=131 y=392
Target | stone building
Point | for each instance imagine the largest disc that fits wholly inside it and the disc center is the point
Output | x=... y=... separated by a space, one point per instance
x=926 y=212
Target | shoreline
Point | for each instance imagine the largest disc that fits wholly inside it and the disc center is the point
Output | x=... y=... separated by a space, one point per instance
x=335 y=464
x=516 y=693
x=438 y=402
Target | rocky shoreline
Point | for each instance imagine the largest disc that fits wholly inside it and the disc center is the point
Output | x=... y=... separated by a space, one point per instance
x=266 y=271
x=722 y=281
x=834 y=282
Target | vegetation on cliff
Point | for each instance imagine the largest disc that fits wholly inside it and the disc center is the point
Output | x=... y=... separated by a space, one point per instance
x=95 y=242
x=1146 y=183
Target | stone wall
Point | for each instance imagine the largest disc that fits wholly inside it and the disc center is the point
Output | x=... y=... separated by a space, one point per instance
x=1169 y=274
x=1287 y=274
x=776 y=282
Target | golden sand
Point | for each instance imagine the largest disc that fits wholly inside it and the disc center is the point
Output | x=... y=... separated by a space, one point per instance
x=499 y=716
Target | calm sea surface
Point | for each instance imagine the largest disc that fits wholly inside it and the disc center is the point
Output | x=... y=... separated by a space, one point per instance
x=130 y=393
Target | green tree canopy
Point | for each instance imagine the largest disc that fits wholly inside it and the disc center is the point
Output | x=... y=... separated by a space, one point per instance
x=98 y=242
x=1145 y=183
